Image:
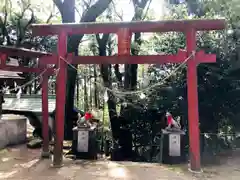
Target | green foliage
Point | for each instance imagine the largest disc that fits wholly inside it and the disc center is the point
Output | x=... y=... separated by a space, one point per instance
x=216 y=87
x=16 y=18
x=218 y=83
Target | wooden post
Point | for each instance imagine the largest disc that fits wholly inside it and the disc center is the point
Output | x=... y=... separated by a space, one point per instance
x=60 y=101
x=3 y=58
x=45 y=127
x=77 y=90
x=124 y=41
x=193 y=115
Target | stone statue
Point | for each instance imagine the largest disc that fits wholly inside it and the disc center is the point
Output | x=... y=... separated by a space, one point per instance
x=172 y=124
x=84 y=120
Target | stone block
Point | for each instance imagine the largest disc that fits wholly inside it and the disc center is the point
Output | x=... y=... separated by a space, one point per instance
x=13 y=130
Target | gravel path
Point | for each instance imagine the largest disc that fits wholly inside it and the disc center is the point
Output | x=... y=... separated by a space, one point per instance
x=22 y=163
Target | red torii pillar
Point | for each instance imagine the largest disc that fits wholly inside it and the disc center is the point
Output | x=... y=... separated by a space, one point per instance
x=192 y=94
x=60 y=100
x=124 y=44
x=124 y=41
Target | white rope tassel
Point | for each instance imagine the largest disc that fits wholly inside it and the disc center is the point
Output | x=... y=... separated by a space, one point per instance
x=19 y=93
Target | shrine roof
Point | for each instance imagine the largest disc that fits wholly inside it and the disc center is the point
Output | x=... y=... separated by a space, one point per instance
x=10 y=74
x=14 y=51
x=28 y=103
x=137 y=26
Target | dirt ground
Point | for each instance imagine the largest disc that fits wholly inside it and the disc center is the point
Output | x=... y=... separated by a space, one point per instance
x=21 y=163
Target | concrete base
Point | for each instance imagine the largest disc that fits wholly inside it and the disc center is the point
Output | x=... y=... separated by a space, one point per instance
x=57 y=166
x=196 y=172
x=3 y=134
x=45 y=155
x=13 y=130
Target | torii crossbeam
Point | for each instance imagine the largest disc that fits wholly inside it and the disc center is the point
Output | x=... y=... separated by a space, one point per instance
x=124 y=31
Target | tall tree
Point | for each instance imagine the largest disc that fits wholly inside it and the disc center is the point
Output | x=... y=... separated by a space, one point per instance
x=14 y=31
x=130 y=78
x=67 y=10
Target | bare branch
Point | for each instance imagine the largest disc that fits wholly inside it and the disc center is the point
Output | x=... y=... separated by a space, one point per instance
x=5 y=14
x=95 y=10
x=145 y=15
x=120 y=16
x=98 y=38
x=59 y=5
x=49 y=18
x=3 y=23
x=135 y=2
x=87 y=4
x=78 y=11
x=138 y=8
x=90 y=16
x=21 y=31
x=32 y=19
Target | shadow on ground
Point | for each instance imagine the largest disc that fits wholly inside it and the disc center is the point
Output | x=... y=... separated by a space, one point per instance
x=21 y=163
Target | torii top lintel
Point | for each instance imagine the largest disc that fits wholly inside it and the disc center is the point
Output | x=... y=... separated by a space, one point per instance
x=137 y=26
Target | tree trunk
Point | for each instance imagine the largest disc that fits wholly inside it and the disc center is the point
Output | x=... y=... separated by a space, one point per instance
x=85 y=92
x=90 y=87
x=67 y=10
x=107 y=80
x=130 y=83
x=96 y=97
x=78 y=92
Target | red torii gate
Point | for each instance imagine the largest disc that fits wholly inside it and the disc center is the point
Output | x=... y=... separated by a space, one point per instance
x=5 y=52
x=124 y=30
